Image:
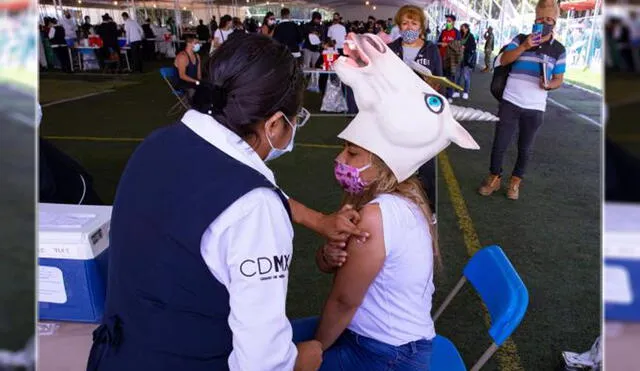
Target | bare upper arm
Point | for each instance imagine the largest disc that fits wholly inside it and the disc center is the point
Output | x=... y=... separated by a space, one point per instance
x=365 y=260
x=181 y=61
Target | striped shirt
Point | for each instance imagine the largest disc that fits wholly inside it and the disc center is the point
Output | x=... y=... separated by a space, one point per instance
x=523 y=85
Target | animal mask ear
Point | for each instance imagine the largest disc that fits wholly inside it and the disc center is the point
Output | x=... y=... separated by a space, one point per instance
x=461 y=137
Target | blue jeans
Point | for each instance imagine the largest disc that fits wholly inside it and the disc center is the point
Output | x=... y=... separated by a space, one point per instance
x=464 y=78
x=451 y=75
x=353 y=352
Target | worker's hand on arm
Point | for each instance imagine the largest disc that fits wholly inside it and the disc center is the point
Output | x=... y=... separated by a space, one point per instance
x=341 y=225
x=337 y=227
x=309 y=356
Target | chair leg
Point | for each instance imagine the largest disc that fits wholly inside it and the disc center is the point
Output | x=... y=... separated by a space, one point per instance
x=485 y=357
x=176 y=108
x=449 y=297
x=184 y=103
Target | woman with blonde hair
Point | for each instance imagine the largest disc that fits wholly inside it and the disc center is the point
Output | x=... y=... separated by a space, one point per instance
x=380 y=303
x=378 y=313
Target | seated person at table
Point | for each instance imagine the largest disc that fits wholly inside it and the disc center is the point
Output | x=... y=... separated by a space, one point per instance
x=188 y=64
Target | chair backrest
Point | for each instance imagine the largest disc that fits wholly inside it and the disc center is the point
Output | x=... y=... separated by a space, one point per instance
x=169 y=73
x=495 y=279
x=170 y=76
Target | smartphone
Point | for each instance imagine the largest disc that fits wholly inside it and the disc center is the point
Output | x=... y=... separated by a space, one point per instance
x=536 y=30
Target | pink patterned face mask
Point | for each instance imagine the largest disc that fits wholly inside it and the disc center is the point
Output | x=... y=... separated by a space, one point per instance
x=349 y=177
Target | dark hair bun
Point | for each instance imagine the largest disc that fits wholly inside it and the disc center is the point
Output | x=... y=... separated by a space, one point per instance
x=251 y=77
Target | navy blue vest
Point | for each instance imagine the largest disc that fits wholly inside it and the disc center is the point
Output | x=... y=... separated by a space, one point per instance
x=164 y=308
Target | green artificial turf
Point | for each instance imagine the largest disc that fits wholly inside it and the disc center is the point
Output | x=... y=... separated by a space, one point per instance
x=552 y=235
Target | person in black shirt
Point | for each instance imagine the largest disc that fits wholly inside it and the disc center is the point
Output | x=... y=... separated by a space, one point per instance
x=213 y=25
x=311 y=51
x=108 y=32
x=59 y=45
x=204 y=35
x=288 y=33
x=85 y=28
x=149 y=42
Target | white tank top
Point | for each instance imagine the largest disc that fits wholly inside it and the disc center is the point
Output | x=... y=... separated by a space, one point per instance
x=397 y=307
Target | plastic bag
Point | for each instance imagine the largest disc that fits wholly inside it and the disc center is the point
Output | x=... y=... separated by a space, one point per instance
x=334 y=99
x=171 y=51
x=314 y=85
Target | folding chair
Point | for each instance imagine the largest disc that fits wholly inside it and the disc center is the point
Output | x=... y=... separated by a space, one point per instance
x=170 y=74
x=504 y=294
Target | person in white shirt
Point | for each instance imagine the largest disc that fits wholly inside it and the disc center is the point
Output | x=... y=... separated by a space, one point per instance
x=378 y=313
x=134 y=34
x=337 y=32
x=201 y=237
x=380 y=302
x=70 y=27
x=223 y=32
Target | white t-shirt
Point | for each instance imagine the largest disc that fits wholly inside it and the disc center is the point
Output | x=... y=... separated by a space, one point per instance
x=222 y=35
x=338 y=33
x=397 y=306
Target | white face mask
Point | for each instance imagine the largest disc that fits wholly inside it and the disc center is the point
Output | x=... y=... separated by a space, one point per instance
x=277 y=152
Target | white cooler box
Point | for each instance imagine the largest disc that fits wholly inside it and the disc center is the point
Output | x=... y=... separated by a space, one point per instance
x=72 y=261
x=622 y=261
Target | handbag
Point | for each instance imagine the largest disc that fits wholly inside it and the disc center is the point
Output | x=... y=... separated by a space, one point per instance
x=501 y=73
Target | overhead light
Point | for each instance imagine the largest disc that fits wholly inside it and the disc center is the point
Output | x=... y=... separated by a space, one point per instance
x=267 y=3
x=366 y=3
x=184 y=8
x=115 y=3
x=374 y=7
x=79 y=1
x=248 y=0
x=281 y=5
x=155 y=6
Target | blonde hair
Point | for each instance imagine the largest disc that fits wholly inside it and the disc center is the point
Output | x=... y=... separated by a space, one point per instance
x=414 y=13
x=411 y=189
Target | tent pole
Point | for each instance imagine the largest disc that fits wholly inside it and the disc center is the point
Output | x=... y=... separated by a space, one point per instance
x=593 y=30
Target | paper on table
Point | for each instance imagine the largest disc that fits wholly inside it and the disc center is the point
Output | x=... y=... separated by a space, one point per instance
x=59 y=220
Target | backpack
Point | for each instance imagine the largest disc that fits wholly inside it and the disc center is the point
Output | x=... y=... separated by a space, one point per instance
x=501 y=73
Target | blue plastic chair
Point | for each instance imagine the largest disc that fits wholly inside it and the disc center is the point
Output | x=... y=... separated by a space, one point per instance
x=504 y=294
x=169 y=75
